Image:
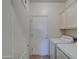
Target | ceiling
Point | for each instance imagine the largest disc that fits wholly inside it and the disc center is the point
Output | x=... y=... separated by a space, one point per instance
x=48 y=0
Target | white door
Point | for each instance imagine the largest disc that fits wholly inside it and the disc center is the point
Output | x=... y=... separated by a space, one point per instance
x=39 y=38
x=21 y=30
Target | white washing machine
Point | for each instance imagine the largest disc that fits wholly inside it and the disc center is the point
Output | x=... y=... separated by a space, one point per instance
x=62 y=40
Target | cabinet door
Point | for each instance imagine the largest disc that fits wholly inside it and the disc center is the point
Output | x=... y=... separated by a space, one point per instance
x=63 y=20
x=60 y=55
x=71 y=16
x=74 y=15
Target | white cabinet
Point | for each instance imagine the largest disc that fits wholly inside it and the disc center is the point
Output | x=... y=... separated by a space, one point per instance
x=69 y=17
x=63 y=21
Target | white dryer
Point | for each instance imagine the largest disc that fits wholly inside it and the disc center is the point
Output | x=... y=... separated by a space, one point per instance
x=62 y=40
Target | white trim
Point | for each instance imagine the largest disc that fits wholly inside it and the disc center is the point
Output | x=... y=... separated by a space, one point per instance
x=39 y=15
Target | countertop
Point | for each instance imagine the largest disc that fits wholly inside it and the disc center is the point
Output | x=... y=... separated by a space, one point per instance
x=69 y=49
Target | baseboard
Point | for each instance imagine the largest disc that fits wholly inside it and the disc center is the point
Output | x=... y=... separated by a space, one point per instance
x=40 y=55
x=6 y=57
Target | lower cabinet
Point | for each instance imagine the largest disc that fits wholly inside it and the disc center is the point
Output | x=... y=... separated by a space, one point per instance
x=60 y=55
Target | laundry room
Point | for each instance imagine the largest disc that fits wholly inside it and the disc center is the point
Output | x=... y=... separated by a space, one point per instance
x=39 y=29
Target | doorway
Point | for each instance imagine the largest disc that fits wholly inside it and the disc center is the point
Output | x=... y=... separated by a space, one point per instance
x=39 y=42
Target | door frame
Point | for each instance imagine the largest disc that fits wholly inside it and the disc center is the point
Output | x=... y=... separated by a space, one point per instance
x=30 y=29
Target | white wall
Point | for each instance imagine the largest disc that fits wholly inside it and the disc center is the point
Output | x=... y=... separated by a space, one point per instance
x=15 y=29
x=7 y=29
x=71 y=32
x=51 y=10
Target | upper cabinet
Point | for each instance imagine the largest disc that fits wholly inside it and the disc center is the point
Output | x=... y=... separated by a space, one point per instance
x=68 y=17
